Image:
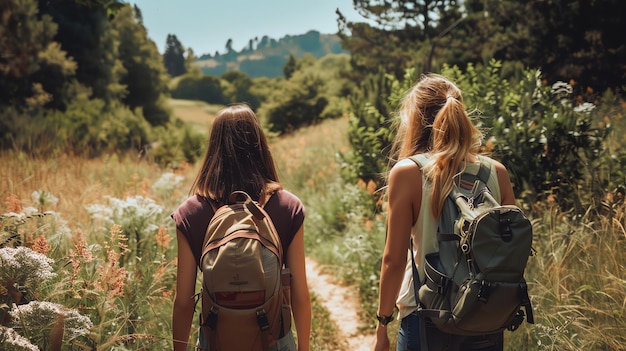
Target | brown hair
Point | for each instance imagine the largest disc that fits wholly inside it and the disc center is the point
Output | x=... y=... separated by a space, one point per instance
x=433 y=120
x=237 y=158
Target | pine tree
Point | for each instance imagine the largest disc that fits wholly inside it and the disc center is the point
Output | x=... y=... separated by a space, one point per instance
x=84 y=32
x=290 y=67
x=34 y=70
x=174 y=56
x=404 y=34
x=144 y=74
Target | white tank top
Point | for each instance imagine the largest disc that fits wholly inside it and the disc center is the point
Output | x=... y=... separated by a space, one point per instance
x=424 y=234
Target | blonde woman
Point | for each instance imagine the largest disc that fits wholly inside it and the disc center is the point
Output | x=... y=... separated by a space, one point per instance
x=434 y=122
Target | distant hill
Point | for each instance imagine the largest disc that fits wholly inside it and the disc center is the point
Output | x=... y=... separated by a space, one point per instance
x=266 y=57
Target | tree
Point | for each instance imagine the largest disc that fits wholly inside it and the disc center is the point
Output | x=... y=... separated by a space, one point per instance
x=138 y=14
x=238 y=89
x=199 y=87
x=265 y=40
x=34 y=70
x=290 y=67
x=580 y=40
x=402 y=28
x=174 y=56
x=144 y=74
x=229 y=46
x=85 y=33
x=190 y=59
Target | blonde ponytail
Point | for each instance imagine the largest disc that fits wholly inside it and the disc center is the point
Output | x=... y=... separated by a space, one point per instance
x=433 y=120
x=454 y=139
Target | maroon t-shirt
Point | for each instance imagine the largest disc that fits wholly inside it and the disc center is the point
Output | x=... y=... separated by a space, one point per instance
x=192 y=219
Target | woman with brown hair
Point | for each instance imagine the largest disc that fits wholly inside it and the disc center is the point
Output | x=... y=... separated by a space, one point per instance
x=433 y=122
x=238 y=158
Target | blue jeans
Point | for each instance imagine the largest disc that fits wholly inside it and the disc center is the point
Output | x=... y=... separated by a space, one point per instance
x=408 y=334
x=286 y=343
x=409 y=338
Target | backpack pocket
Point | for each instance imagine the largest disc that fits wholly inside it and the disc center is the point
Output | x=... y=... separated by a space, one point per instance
x=432 y=294
x=483 y=307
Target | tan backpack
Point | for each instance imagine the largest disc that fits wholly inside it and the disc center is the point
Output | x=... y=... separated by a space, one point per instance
x=245 y=288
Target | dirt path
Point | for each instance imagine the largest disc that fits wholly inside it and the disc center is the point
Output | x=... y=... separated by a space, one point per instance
x=343 y=305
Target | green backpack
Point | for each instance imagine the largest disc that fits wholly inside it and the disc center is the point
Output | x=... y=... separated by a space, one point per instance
x=474 y=284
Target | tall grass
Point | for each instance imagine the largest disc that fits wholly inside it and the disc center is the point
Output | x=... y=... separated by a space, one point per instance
x=342 y=231
x=100 y=271
x=105 y=224
x=577 y=282
x=73 y=211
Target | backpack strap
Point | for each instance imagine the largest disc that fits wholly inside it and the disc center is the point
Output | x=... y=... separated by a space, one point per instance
x=420 y=160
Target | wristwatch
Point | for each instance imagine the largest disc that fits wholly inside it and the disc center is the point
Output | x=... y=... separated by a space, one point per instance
x=384 y=320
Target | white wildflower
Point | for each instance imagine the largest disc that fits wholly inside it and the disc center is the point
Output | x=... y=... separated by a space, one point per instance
x=586 y=107
x=17 y=216
x=100 y=212
x=30 y=210
x=168 y=182
x=61 y=227
x=44 y=198
x=24 y=266
x=14 y=341
x=562 y=88
x=136 y=212
x=43 y=314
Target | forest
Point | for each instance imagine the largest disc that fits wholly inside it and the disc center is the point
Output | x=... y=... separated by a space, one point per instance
x=97 y=150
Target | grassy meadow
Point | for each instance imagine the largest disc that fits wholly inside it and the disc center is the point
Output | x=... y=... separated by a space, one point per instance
x=104 y=226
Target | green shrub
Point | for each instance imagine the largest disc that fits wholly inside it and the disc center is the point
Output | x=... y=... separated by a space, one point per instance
x=175 y=143
x=87 y=127
x=371 y=130
x=298 y=103
x=314 y=91
x=549 y=140
x=192 y=86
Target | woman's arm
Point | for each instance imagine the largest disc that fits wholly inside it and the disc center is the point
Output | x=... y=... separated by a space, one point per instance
x=404 y=196
x=182 y=314
x=300 y=299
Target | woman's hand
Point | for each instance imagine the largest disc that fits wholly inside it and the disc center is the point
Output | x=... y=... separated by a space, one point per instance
x=382 y=339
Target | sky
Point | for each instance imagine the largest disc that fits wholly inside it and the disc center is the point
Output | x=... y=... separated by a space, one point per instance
x=206 y=25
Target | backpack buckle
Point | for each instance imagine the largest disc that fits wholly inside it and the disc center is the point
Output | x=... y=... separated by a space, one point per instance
x=442 y=286
x=506 y=233
x=211 y=319
x=261 y=318
x=484 y=291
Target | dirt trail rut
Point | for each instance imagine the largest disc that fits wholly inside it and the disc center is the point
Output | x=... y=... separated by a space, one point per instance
x=342 y=303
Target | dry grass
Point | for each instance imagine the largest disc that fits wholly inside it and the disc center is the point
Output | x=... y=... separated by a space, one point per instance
x=197 y=113
x=76 y=181
x=307 y=160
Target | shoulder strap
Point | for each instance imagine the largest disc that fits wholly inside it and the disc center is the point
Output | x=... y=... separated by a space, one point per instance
x=483 y=172
x=420 y=160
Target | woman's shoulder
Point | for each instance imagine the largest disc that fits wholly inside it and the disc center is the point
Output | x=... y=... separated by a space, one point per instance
x=287 y=198
x=495 y=164
x=407 y=167
x=192 y=206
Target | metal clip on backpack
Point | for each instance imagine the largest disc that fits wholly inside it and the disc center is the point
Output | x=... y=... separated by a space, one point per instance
x=245 y=288
x=474 y=284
